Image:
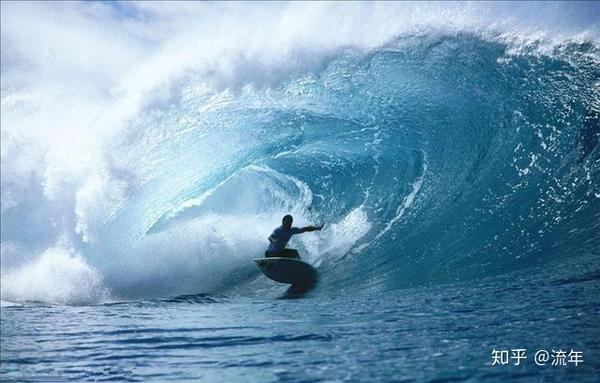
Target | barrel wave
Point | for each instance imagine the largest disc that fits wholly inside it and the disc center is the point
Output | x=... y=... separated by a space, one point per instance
x=436 y=157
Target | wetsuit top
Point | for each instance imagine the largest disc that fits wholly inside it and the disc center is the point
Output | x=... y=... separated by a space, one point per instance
x=283 y=236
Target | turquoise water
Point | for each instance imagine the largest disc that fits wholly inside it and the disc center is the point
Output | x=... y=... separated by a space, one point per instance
x=455 y=168
x=442 y=333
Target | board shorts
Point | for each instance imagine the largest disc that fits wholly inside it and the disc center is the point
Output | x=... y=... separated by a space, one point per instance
x=285 y=253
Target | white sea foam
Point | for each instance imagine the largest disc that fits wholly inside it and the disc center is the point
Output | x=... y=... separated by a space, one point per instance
x=342 y=235
x=57 y=276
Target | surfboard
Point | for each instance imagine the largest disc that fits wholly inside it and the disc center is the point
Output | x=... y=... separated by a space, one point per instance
x=287 y=270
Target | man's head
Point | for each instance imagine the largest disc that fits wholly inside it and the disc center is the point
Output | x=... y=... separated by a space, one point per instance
x=286 y=222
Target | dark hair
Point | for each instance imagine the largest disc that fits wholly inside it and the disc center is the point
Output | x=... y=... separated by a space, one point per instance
x=286 y=217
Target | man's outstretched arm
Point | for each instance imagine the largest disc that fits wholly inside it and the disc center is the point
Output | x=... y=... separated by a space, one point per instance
x=310 y=228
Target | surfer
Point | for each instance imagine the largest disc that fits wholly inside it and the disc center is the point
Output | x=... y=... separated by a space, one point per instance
x=280 y=237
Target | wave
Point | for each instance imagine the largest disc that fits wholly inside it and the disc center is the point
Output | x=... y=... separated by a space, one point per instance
x=435 y=156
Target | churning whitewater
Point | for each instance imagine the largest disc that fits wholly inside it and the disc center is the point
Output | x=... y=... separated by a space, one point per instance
x=433 y=154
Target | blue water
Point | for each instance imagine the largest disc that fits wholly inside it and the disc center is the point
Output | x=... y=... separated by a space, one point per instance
x=455 y=170
x=442 y=333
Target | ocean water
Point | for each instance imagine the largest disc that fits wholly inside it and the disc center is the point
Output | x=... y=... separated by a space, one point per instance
x=441 y=333
x=451 y=150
